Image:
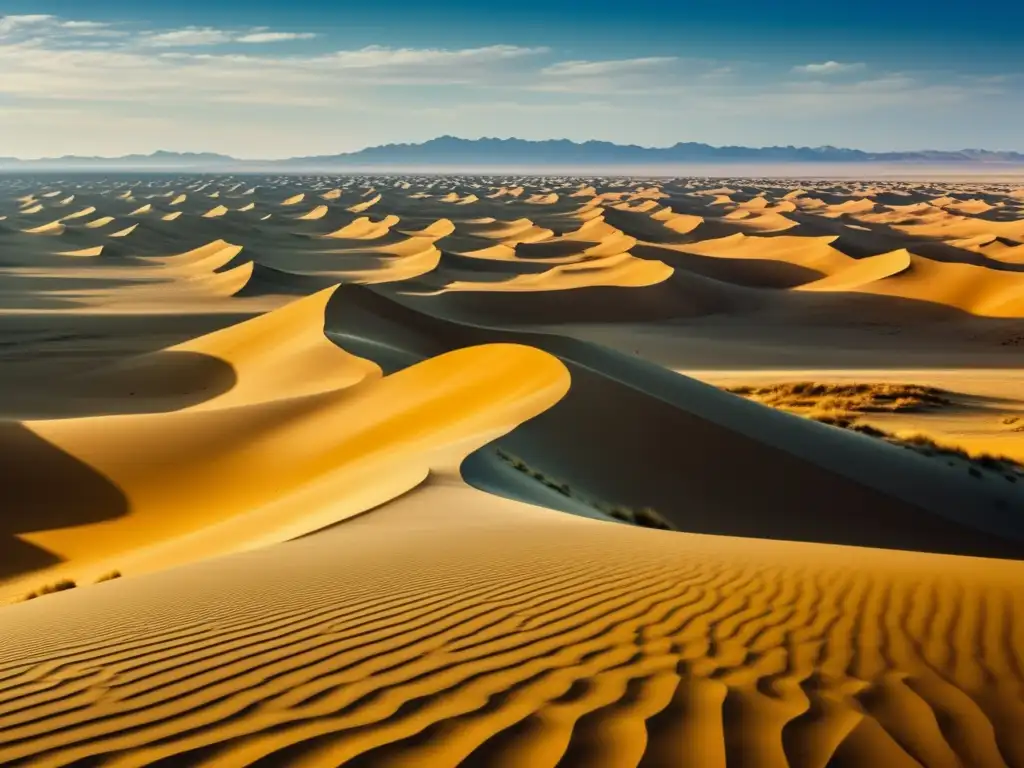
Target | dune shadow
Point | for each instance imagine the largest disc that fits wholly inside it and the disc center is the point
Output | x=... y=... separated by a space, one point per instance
x=46 y=488
x=708 y=461
x=755 y=273
x=166 y=380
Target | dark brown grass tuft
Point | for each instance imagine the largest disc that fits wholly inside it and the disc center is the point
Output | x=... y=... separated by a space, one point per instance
x=49 y=589
x=840 y=405
x=645 y=517
x=841 y=401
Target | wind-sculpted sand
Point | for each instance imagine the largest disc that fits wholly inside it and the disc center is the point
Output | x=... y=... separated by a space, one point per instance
x=284 y=410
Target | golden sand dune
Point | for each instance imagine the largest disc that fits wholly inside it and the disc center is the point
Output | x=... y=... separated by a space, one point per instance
x=53 y=228
x=375 y=523
x=368 y=461
x=864 y=273
x=206 y=258
x=364 y=228
x=439 y=228
x=313 y=215
x=94 y=251
x=365 y=205
x=395 y=265
x=618 y=270
x=124 y=232
x=80 y=213
x=215 y=212
x=477 y=641
x=809 y=253
x=974 y=289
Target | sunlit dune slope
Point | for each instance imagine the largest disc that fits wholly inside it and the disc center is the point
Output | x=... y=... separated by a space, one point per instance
x=344 y=440
x=289 y=392
x=447 y=631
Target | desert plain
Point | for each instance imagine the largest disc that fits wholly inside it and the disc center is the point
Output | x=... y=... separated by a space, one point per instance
x=511 y=471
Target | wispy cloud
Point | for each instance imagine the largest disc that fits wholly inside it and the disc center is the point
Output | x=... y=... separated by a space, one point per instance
x=193 y=37
x=11 y=24
x=196 y=83
x=607 y=67
x=828 y=68
x=164 y=68
x=187 y=37
x=378 y=56
x=274 y=37
x=47 y=26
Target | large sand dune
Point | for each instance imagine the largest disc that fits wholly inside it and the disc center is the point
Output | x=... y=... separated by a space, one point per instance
x=359 y=445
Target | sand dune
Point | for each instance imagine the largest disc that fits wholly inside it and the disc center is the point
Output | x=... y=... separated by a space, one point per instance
x=362 y=464
x=215 y=212
x=53 y=228
x=316 y=213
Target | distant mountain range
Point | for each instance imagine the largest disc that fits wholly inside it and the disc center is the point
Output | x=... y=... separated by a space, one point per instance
x=452 y=153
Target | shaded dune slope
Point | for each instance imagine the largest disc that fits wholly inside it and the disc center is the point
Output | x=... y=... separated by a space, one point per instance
x=330 y=563
x=706 y=438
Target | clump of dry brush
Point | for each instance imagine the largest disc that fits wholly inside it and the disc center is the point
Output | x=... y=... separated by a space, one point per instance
x=811 y=398
x=842 y=405
x=645 y=517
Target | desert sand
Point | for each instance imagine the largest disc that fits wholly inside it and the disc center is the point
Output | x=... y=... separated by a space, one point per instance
x=358 y=448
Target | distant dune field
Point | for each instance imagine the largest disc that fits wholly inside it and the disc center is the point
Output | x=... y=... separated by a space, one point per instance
x=369 y=470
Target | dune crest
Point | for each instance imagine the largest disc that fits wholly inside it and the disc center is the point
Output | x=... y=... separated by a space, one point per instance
x=439 y=470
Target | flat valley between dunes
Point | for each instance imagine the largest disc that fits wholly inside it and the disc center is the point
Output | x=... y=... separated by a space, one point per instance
x=416 y=470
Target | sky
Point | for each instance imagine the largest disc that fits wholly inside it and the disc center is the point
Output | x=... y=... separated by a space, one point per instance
x=272 y=79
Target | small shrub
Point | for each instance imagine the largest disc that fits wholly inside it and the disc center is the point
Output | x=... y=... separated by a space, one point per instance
x=647 y=517
x=621 y=513
x=109 y=577
x=839 y=405
x=49 y=589
x=843 y=400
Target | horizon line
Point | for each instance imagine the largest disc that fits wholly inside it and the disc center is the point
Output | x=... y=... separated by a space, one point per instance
x=581 y=142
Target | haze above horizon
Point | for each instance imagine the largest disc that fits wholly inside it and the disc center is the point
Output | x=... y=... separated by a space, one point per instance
x=260 y=80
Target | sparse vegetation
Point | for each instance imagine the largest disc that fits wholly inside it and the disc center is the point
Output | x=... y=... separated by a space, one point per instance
x=109 y=576
x=645 y=517
x=840 y=405
x=839 y=401
x=49 y=589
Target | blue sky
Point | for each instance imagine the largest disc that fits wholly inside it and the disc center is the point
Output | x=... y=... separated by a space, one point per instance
x=267 y=78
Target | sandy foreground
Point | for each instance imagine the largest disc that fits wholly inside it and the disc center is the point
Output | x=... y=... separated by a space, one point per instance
x=352 y=443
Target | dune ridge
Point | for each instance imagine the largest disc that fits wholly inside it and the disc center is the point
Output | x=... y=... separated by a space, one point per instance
x=283 y=419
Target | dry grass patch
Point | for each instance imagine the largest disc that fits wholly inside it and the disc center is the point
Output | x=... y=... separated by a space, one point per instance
x=1014 y=423
x=840 y=405
x=49 y=589
x=810 y=398
x=1010 y=469
x=645 y=517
